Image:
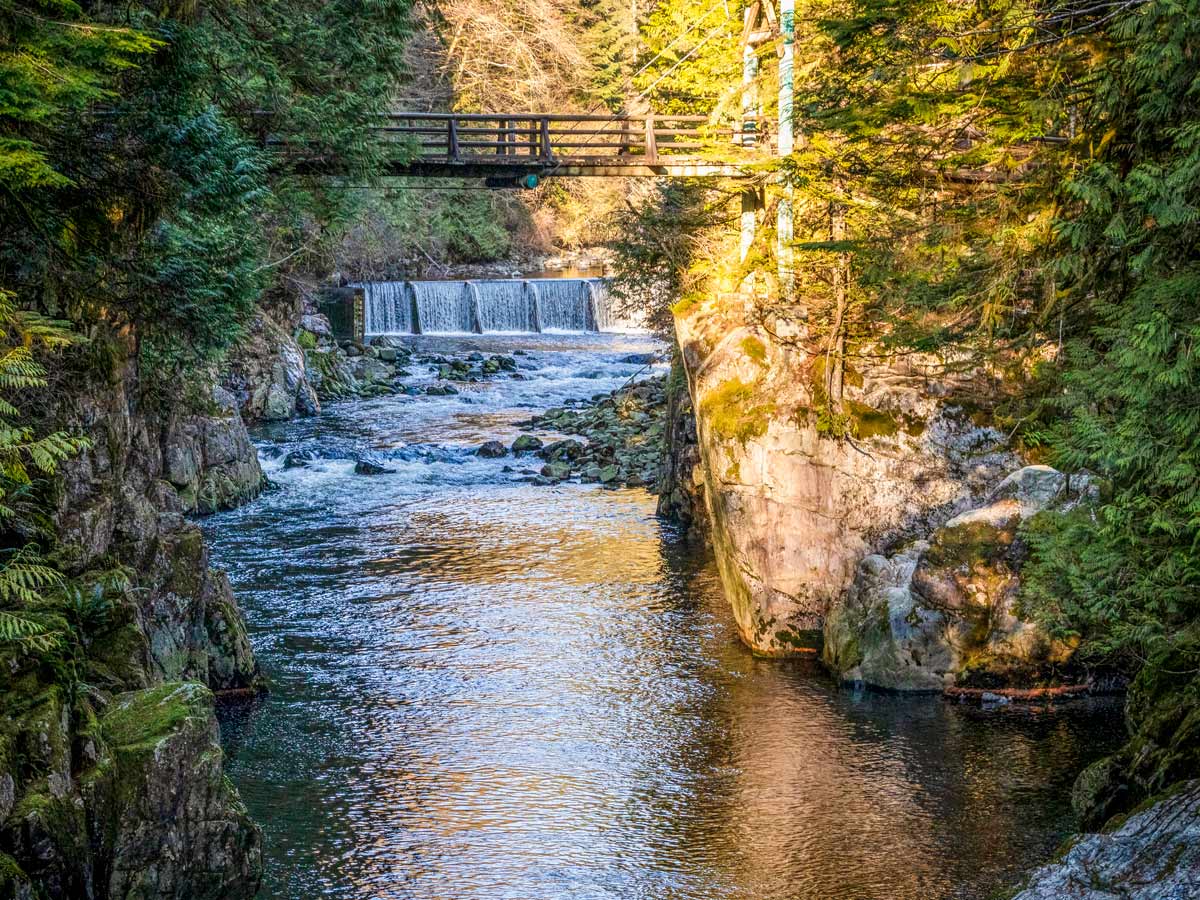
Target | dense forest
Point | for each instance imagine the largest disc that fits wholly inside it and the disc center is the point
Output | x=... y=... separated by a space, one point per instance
x=1012 y=187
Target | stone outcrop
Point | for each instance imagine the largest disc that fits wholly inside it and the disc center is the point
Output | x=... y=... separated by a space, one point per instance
x=267 y=375
x=110 y=773
x=1162 y=712
x=943 y=611
x=793 y=508
x=208 y=457
x=1154 y=854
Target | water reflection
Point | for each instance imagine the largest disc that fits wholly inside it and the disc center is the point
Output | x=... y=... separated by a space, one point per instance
x=486 y=689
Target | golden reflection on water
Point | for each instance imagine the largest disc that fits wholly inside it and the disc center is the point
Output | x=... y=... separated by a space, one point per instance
x=485 y=689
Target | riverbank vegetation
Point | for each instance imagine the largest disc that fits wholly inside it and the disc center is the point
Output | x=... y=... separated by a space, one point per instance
x=1012 y=186
x=146 y=224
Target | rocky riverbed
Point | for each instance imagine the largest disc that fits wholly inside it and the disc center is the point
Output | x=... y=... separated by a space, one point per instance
x=613 y=438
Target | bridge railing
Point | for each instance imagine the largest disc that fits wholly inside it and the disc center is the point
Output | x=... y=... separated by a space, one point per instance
x=505 y=138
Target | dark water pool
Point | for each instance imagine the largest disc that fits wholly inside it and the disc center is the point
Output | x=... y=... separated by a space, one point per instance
x=484 y=688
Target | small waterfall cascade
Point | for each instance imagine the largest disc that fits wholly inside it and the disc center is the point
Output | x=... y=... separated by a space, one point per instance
x=605 y=314
x=388 y=308
x=507 y=305
x=444 y=307
x=491 y=306
x=566 y=304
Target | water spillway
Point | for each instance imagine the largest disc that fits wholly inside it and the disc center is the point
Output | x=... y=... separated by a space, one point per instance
x=491 y=306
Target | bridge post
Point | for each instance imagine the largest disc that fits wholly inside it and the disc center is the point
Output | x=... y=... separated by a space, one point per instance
x=452 y=140
x=651 y=142
x=784 y=226
x=544 y=135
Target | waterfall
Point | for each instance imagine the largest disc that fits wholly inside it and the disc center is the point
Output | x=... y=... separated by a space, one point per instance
x=444 y=307
x=564 y=304
x=495 y=305
x=387 y=308
x=506 y=306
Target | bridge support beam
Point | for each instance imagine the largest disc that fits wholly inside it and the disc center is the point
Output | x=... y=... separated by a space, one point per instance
x=784 y=225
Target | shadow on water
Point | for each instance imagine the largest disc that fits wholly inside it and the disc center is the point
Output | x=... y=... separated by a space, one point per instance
x=488 y=689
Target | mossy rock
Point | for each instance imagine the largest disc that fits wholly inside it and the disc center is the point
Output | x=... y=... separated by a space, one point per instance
x=733 y=413
x=14 y=882
x=163 y=808
x=1163 y=713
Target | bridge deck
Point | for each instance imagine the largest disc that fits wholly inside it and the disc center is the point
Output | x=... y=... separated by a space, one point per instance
x=511 y=146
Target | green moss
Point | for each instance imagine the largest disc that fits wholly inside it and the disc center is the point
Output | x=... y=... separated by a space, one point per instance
x=969 y=545
x=307 y=340
x=867 y=422
x=11 y=876
x=755 y=349
x=732 y=413
x=799 y=640
x=140 y=721
x=685 y=304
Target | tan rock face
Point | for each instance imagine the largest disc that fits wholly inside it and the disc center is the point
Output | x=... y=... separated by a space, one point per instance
x=794 y=510
x=943 y=611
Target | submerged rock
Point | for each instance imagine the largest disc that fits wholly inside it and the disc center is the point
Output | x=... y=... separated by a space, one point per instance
x=298 y=459
x=492 y=450
x=366 y=467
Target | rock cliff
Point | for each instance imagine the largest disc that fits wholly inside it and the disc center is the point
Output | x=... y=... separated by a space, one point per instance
x=110 y=769
x=795 y=509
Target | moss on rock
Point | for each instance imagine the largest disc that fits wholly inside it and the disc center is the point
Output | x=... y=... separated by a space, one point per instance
x=733 y=414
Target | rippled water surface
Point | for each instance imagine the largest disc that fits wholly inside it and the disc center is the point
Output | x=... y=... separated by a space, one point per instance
x=483 y=688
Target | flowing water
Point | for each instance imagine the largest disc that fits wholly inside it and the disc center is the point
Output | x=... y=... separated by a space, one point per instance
x=487 y=306
x=487 y=689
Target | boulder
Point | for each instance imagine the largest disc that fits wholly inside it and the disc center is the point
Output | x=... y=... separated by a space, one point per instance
x=317 y=324
x=942 y=612
x=1152 y=855
x=562 y=450
x=526 y=443
x=492 y=450
x=364 y=368
x=608 y=474
x=366 y=467
x=298 y=459
x=556 y=471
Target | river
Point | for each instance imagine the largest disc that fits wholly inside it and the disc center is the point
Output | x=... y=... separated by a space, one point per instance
x=486 y=688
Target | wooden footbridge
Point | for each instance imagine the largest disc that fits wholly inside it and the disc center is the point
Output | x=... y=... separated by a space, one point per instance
x=526 y=147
